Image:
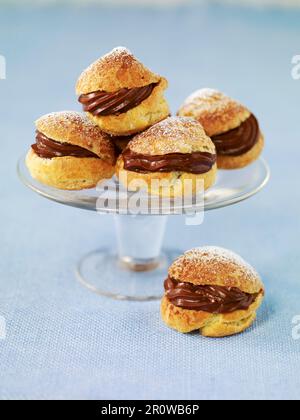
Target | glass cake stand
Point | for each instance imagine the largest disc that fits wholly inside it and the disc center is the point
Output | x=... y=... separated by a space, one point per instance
x=137 y=268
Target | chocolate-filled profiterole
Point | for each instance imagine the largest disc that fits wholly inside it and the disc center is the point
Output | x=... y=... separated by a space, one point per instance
x=173 y=158
x=232 y=127
x=121 y=95
x=212 y=290
x=70 y=152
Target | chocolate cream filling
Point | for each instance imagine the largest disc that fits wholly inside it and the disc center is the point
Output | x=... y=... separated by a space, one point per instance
x=212 y=299
x=106 y=103
x=47 y=148
x=240 y=140
x=195 y=163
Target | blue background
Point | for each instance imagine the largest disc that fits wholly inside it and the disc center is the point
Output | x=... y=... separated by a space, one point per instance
x=63 y=341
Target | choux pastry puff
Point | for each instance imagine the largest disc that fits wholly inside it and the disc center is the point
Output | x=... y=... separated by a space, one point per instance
x=234 y=130
x=171 y=159
x=211 y=290
x=70 y=152
x=121 y=95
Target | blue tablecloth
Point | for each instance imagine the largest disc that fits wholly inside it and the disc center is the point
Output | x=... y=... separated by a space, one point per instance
x=65 y=342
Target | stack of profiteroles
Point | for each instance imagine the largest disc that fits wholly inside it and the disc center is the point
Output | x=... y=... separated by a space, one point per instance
x=126 y=130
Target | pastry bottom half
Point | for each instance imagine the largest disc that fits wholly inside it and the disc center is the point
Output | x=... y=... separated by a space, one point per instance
x=239 y=162
x=68 y=173
x=209 y=325
x=169 y=185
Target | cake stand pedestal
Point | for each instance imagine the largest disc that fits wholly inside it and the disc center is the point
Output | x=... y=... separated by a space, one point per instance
x=136 y=269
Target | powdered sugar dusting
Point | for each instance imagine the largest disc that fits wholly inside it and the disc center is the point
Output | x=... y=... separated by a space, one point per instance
x=69 y=119
x=217 y=112
x=215 y=265
x=210 y=99
x=64 y=115
x=210 y=254
x=118 y=53
x=75 y=128
x=206 y=93
x=115 y=70
x=173 y=135
x=117 y=56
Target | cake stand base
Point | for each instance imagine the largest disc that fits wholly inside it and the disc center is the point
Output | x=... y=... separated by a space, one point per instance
x=136 y=269
x=106 y=274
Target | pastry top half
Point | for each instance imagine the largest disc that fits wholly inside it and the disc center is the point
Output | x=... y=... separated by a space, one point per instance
x=72 y=133
x=173 y=135
x=217 y=112
x=117 y=70
x=213 y=266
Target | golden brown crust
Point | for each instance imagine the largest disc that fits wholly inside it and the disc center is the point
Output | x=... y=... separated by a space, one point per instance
x=68 y=173
x=217 y=112
x=116 y=70
x=173 y=135
x=209 y=325
x=75 y=128
x=238 y=162
x=168 y=185
x=216 y=266
x=152 y=110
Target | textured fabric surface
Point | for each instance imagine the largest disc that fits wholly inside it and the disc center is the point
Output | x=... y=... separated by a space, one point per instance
x=61 y=340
